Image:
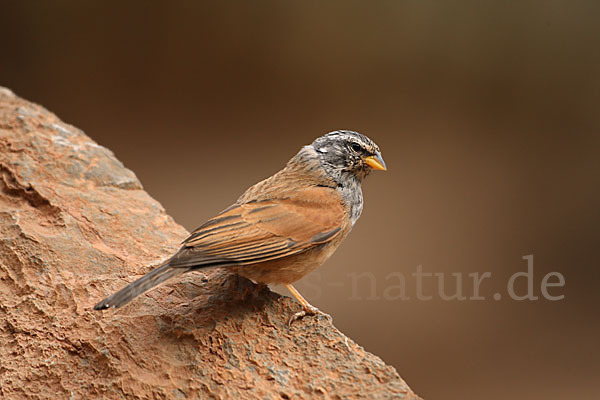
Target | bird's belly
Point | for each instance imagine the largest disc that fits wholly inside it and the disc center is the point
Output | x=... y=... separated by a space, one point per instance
x=288 y=269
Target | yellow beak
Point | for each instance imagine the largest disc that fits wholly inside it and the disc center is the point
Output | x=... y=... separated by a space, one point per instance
x=376 y=162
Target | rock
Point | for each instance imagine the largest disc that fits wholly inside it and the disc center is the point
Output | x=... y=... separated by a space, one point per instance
x=75 y=226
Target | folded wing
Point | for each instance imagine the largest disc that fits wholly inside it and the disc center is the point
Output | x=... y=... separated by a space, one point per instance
x=259 y=231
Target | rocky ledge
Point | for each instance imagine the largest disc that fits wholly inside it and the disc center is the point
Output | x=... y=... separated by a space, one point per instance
x=76 y=225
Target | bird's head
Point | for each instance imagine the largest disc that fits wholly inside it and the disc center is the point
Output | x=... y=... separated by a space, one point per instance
x=348 y=152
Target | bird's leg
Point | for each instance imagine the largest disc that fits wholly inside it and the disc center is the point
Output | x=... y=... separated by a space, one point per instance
x=308 y=309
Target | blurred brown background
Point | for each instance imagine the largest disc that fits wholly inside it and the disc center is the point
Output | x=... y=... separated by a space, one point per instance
x=487 y=114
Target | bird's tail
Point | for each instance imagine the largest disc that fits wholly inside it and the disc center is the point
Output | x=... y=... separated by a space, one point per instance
x=145 y=283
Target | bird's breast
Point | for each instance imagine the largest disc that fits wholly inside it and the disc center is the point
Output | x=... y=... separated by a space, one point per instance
x=353 y=200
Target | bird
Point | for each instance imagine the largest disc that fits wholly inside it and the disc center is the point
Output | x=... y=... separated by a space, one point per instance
x=281 y=228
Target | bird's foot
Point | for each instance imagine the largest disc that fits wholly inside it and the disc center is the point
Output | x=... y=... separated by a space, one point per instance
x=309 y=310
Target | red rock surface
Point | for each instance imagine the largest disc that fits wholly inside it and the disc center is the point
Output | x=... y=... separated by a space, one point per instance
x=75 y=225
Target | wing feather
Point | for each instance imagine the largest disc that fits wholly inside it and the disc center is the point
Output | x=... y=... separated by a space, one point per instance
x=258 y=231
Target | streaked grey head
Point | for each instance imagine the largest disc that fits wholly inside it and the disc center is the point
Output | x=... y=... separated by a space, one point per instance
x=343 y=153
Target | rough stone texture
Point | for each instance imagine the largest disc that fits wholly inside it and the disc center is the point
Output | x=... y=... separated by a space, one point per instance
x=75 y=225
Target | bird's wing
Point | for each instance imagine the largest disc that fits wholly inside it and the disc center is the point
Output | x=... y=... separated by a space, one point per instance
x=258 y=231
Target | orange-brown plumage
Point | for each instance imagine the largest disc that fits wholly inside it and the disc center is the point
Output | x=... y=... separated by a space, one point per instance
x=284 y=226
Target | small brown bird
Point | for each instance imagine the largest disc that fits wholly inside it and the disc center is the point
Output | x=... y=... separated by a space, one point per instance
x=283 y=227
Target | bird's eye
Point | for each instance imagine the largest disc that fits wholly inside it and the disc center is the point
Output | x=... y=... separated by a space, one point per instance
x=356 y=147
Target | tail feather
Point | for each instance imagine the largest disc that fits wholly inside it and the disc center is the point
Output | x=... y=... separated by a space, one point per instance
x=140 y=286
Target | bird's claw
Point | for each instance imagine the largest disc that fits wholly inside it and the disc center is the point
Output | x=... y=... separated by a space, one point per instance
x=308 y=311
